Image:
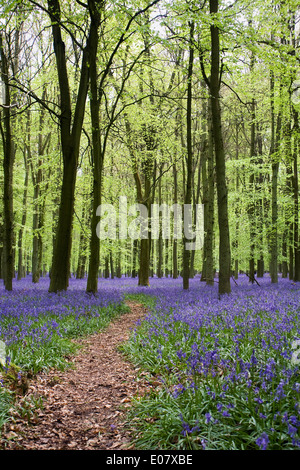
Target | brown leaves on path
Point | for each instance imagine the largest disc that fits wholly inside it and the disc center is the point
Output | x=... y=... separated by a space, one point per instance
x=84 y=407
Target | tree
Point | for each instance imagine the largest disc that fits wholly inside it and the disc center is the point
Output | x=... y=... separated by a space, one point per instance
x=214 y=87
x=8 y=55
x=189 y=159
x=70 y=134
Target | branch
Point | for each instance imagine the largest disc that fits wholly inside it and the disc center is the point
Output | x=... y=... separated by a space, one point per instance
x=121 y=40
x=81 y=4
x=241 y=101
x=60 y=23
x=253 y=279
x=205 y=78
x=36 y=98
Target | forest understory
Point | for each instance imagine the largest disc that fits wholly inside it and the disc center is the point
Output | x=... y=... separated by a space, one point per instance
x=83 y=408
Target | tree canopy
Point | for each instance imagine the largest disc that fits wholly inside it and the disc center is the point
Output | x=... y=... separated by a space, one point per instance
x=163 y=102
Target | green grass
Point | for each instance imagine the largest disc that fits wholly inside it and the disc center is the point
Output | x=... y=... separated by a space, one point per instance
x=6 y=402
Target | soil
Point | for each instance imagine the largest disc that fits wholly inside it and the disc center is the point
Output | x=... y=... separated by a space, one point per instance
x=84 y=408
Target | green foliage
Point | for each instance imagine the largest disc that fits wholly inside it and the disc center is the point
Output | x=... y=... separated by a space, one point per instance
x=182 y=410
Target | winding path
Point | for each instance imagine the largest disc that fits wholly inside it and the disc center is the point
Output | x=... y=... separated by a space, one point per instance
x=84 y=407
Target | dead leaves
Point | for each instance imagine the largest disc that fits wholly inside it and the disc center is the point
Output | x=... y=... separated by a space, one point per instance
x=84 y=407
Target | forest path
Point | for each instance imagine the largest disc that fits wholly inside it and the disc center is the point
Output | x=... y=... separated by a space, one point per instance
x=84 y=407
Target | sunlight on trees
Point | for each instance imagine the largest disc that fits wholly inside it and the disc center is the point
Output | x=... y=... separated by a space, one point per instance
x=164 y=103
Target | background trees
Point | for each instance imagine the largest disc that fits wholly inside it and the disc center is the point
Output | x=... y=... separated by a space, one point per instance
x=189 y=102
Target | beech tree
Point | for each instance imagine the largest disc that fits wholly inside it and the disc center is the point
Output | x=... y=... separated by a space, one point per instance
x=9 y=55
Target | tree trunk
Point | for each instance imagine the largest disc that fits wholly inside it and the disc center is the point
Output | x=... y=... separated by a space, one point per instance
x=111 y=263
x=296 y=201
x=134 y=257
x=252 y=205
x=160 y=241
x=175 y=200
x=224 y=239
x=70 y=134
x=260 y=209
x=92 y=281
x=209 y=257
x=8 y=163
x=189 y=160
x=275 y=140
x=21 y=267
x=83 y=243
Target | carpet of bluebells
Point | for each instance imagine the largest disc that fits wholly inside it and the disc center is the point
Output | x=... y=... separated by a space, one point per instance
x=38 y=328
x=228 y=369
x=31 y=319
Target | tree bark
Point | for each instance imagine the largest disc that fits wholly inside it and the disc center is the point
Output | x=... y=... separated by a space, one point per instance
x=159 y=241
x=21 y=264
x=92 y=281
x=8 y=164
x=189 y=159
x=209 y=252
x=296 y=200
x=252 y=204
x=224 y=238
x=70 y=134
x=275 y=139
x=175 y=200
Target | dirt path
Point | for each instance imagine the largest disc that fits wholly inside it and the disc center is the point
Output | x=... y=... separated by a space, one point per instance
x=84 y=406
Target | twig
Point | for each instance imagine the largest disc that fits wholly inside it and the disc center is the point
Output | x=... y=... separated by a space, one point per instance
x=253 y=279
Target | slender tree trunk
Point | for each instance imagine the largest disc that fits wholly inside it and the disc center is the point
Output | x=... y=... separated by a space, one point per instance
x=159 y=241
x=237 y=210
x=134 y=258
x=35 y=224
x=196 y=197
x=38 y=213
x=175 y=201
x=275 y=139
x=210 y=205
x=144 y=268
x=21 y=267
x=224 y=239
x=260 y=209
x=111 y=263
x=205 y=135
x=252 y=205
x=296 y=201
x=119 y=268
x=189 y=160
x=83 y=242
x=92 y=281
x=8 y=164
x=106 y=270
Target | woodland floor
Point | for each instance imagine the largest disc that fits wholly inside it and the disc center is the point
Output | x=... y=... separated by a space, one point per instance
x=84 y=407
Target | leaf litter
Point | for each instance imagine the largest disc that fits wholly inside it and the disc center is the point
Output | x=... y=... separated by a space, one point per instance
x=84 y=408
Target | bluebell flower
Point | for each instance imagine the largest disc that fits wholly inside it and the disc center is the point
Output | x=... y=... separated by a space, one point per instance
x=263 y=441
x=292 y=430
